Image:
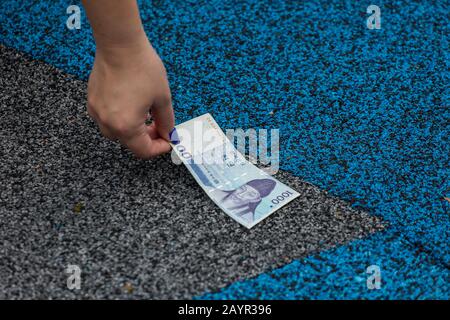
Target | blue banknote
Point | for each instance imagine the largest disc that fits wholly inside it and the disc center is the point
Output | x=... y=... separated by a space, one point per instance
x=244 y=192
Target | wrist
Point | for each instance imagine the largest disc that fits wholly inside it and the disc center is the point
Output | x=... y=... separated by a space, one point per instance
x=121 y=38
x=119 y=53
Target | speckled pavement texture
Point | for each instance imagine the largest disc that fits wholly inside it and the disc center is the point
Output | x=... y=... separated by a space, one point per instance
x=69 y=197
x=363 y=114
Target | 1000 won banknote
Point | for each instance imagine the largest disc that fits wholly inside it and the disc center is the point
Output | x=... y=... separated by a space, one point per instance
x=243 y=191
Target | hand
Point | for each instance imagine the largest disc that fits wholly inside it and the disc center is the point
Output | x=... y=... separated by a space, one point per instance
x=126 y=83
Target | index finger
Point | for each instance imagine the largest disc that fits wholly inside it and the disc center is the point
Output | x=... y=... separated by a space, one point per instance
x=163 y=116
x=144 y=147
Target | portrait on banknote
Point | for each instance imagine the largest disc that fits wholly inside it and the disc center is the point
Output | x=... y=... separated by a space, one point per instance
x=243 y=200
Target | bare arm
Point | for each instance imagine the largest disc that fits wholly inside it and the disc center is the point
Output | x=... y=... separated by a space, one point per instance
x=128 y=80
x=114 y=22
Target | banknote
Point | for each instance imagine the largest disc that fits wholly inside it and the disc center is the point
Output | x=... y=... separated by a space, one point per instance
x=243 y=191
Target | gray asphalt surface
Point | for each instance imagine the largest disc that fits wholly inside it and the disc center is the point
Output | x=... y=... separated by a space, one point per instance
x=137 y=229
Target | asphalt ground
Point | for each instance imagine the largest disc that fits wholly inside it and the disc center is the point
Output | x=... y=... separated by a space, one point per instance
x=135 y=228
x=363 y=114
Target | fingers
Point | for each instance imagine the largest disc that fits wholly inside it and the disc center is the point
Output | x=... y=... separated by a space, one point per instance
x=152 y=132
x=162 y=114
x=146 y=143
x=106 y=132
x=144 y=146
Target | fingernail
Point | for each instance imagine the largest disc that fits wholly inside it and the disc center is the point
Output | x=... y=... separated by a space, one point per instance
x=173 y=136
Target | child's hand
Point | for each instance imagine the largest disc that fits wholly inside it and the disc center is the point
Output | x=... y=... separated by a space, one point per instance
x=126 y=83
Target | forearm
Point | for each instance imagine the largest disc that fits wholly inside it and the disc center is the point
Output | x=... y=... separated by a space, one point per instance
x=115 y=23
